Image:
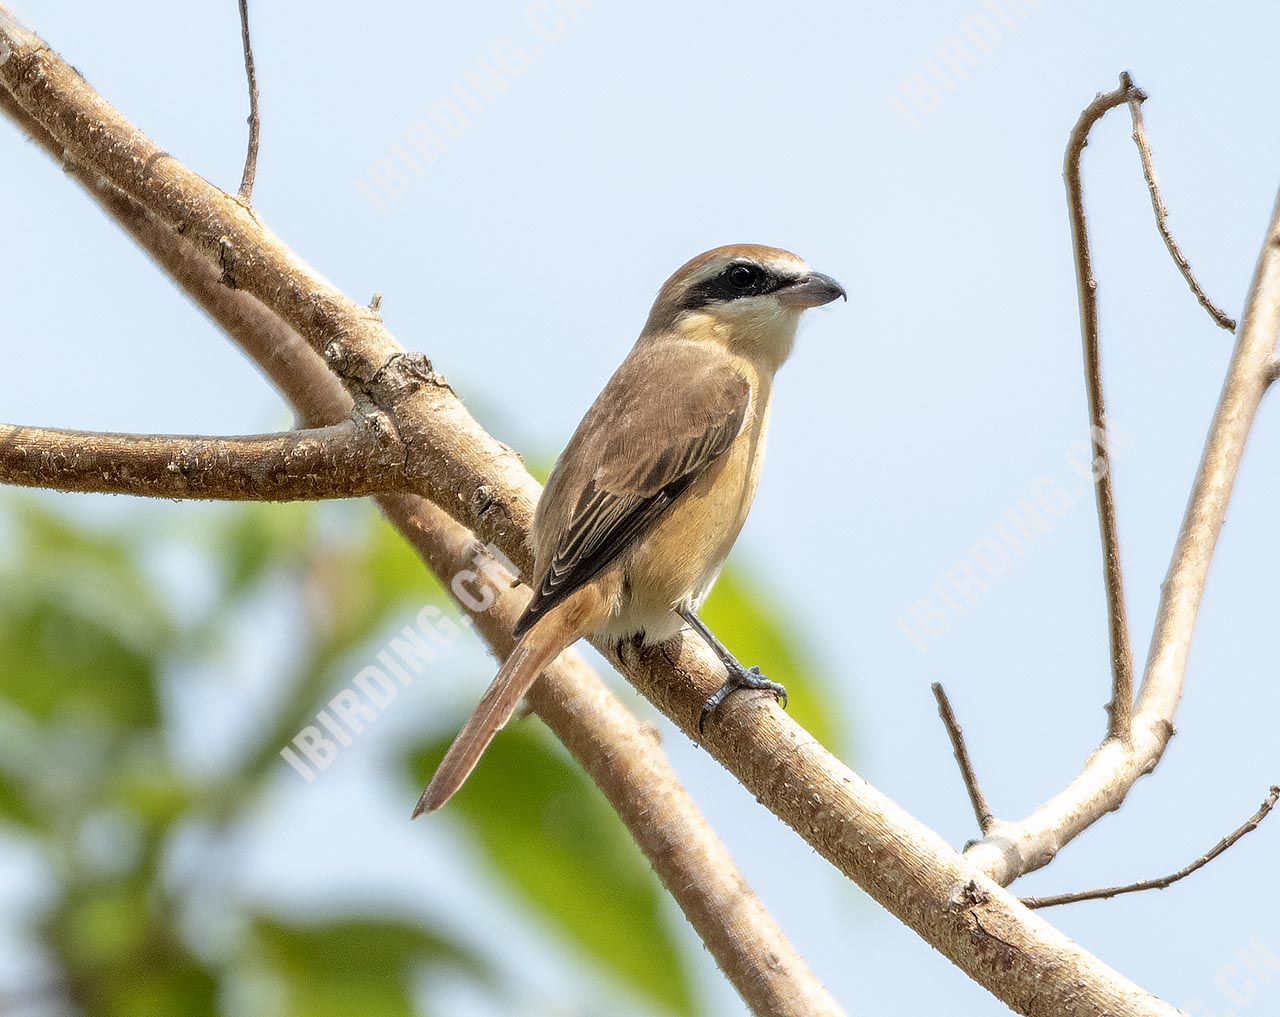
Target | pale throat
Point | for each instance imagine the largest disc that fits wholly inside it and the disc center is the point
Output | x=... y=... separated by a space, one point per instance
x=763 y=335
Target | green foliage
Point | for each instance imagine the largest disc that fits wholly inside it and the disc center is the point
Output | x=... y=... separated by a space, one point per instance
x=351 y=965
x=14 y=806
x=550 y=833
x=81 y=630
x=88 y=649
x=117 y=957
x=91 y=647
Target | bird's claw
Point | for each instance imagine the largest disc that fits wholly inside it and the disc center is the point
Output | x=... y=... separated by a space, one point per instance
x=740 y=678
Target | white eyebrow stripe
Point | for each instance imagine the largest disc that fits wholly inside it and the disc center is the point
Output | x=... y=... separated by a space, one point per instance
x=777 y=265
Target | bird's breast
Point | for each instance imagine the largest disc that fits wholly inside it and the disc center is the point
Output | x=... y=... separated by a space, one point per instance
x=677 y=562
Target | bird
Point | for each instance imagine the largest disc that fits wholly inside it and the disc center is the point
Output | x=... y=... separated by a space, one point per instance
x=641 y=509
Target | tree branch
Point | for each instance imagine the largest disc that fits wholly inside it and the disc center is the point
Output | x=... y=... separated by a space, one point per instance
x=1121 y=707
x=902 y=864
x=346 y=460
x=1248 y=826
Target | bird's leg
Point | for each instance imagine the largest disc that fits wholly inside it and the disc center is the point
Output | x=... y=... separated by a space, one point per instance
x=629 y=647
x=739 y=677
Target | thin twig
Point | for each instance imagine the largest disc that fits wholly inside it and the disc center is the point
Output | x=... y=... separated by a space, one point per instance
x=1136 y=97
x=1121 y=707
x=251 y=156
x=979 y=800
x=1248 y=826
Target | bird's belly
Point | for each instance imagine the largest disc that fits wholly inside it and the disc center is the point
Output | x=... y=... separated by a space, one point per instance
x=675 y=565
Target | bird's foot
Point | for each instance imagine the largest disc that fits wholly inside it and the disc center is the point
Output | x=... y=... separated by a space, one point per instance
x=740 y=678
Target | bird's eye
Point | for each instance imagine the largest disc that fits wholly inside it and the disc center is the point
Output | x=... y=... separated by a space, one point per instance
x=743 y=276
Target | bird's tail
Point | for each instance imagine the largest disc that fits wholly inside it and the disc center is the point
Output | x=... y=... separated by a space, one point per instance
x=534 y=652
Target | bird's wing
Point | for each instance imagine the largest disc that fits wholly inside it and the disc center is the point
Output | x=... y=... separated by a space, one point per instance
x=665 y=416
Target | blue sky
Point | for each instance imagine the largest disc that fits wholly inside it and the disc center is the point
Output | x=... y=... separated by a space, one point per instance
x=910 y=421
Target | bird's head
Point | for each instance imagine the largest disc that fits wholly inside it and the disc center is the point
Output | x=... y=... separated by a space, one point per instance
x=745 y=296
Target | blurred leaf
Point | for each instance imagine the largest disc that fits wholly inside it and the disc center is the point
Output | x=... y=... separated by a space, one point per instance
x=85 y=645
x=352 y=966
x=181 y=986
x=358 y=595
x=13 y=803
x=252 y=540
x=400 y=574
x=46 y=532
x=62 y=665
x=758 y=632
x=80 y=629
x=148 y=787
x=96 y=571
x=104 y=925
x=356 y=591
x=551 y=833
x=120 y=961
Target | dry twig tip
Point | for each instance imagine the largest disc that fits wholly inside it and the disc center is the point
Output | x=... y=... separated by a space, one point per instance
x=976 y=797
x=255 y=125
x=1135 y=98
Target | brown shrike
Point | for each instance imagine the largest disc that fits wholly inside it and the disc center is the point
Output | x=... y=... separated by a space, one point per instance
x=643 y=505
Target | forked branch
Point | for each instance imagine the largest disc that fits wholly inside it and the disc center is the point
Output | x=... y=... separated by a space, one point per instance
x=1248 y=826
x=1135 y=742
x=1012 y=849
x=1121 y=705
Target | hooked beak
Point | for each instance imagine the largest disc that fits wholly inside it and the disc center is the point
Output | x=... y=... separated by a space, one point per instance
x=814 y=290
